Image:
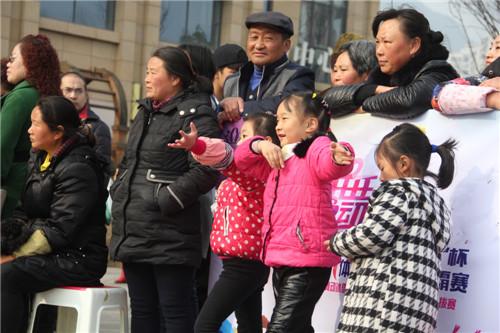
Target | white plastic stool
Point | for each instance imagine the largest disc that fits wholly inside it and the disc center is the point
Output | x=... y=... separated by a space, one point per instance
x=89 y=304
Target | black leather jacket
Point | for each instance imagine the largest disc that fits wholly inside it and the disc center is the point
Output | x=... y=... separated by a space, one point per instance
x=156 y=213
x=410 y=97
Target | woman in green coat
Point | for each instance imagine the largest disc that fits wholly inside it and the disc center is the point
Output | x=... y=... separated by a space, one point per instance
x=33 y=68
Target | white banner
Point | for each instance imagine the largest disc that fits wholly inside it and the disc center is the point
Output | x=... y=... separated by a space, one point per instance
x=470 y=277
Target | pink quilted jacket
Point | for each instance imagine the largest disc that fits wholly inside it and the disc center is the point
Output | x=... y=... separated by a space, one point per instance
x=298 y=213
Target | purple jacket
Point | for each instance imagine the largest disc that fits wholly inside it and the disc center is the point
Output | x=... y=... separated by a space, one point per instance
x=298 y=213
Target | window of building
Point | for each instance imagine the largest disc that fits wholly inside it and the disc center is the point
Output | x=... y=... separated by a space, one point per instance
x=191 y=22
x=321 y=24
x=96 y=13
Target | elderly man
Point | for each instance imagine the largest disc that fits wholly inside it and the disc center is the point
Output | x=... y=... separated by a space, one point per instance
x=269 y=75
x=74 y=88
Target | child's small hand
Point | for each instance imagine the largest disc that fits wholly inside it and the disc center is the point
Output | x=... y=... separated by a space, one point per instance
x=328 y=245
x=187 y=140
x=272 y=153
x=340 y=154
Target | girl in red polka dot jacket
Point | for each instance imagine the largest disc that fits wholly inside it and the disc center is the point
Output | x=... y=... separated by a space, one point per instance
x=298 y=213
x=236 y=231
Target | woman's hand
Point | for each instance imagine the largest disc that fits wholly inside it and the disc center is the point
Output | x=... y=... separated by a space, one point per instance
x=186 y=141
x=6 y=259
x=340 y=154
x=272 y=153
x=383 y=89
x=493 y=83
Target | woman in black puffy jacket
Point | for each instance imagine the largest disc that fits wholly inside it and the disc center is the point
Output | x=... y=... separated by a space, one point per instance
x=156 y=212
x=62 y=216
x=411 y=61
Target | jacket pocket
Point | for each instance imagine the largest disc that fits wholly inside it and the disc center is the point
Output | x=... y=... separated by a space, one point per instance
x=171 y=203
x=299 y=234
x=226 y=221
x=116 y=183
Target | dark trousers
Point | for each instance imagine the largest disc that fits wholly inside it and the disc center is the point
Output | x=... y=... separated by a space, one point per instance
x=161 y=297
x=296 y=290
x=238 y=289
x=17 y=288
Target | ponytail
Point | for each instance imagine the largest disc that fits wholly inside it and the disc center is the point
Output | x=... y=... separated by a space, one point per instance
x=447 y=168
x=407 y=139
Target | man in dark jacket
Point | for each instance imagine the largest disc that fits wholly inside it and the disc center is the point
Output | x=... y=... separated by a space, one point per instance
x=269 y=75
x=74 y=88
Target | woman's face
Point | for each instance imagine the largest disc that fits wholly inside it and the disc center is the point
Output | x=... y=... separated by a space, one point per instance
x=343 y=72
x=41 y=136
x=494 y=51
x=16 y=72
x=160 y=84
x=393 y=48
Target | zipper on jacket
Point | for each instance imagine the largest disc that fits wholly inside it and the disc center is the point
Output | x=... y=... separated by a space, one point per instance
x=298 y=232
x=226 y=221
x=260 y=82
x=277 y=179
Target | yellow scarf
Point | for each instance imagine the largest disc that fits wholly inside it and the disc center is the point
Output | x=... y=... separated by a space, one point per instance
x=46 y=163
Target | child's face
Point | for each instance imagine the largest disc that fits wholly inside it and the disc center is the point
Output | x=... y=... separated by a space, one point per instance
x=246 y=131
x=387 y=170
x=291 y=127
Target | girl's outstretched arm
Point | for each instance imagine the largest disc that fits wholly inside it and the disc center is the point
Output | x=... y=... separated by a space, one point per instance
x=381 y=225
x=321 y=158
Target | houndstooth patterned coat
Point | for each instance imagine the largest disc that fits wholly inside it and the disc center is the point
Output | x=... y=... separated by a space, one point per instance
x=395 y=260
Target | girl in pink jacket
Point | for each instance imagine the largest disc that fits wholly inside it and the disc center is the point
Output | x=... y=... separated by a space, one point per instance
x=236 y=231
x=298 y=213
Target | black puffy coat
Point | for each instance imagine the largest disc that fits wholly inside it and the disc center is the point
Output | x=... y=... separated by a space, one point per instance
x=156 y=213
x=67 y=202
x=411 y=97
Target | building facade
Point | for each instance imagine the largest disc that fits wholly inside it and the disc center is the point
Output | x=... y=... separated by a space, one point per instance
x=120 y=36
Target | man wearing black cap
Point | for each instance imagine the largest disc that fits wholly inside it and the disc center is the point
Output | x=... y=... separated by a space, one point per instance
x=228 y=59
x=270 y=75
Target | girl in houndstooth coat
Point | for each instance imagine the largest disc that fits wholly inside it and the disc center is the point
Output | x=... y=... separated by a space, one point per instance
x=395 y=252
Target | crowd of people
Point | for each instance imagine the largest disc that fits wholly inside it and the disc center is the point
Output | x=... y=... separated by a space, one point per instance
x=273 y=208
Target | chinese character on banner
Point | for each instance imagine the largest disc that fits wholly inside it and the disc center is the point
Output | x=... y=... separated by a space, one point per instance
x=452 y=303
x=459 y=282
x=442 y=302
x=457 y=256
x=345 y=267
x=444 y=282
x=350 y=197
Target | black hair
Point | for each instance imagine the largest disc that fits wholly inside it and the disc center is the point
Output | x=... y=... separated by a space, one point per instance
x=264 y=124
x=201 y=58
x=310 y=104
x=407 y=139
x=415 y=24
x=178 y=62
x=361 y=53
x=78 y=75
x=59 y=111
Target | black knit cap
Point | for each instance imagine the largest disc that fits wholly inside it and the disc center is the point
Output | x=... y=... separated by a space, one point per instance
x=276 y=20
x=229 y=54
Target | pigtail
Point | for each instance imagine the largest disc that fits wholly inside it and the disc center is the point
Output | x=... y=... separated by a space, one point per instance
x=447 y=168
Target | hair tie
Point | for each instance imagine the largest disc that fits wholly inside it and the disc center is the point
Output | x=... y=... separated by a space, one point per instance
x=434 y=149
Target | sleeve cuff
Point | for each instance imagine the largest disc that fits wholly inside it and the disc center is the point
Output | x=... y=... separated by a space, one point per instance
x=199 y=147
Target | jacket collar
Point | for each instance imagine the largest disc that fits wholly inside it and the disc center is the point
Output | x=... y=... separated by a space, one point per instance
x=247 y=69
x=172 y=104
x=21 y=85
